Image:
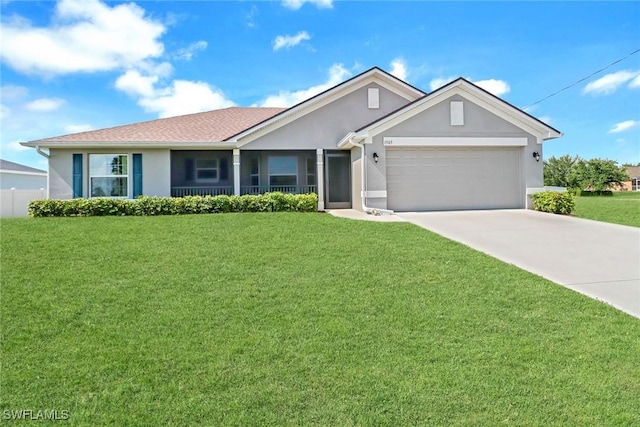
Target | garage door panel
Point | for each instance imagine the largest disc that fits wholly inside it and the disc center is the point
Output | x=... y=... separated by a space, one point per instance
x=465 y=178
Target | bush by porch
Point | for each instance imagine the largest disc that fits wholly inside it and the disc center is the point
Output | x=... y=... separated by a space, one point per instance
x=147 y=206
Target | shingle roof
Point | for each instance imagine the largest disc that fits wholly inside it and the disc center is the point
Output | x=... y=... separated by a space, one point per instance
x=209 y=126
x=6 y=165
x=633 y=171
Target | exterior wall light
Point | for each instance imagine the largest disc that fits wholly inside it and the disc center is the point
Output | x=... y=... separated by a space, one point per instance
x=536 y=156
x=375 y=157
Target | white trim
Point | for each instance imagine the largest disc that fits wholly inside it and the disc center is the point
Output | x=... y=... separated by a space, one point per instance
x=236 y=171
x=379 y=194
x=320 y=178
x=427 y=141
x=129 y=145
x=373 y=98
x=90 y=176
x=470 y=93
x=372 y=76
x=23 y=172
x=456 y=113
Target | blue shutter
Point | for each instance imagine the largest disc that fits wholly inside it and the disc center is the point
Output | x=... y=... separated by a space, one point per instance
x=137 y=175
x=77 y=175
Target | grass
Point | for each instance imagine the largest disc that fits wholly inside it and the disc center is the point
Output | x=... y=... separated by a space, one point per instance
x=623 y=208
x=297 y=319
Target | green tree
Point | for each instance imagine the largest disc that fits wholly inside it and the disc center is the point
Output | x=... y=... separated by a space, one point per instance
x=560 y=172
x=599 y=174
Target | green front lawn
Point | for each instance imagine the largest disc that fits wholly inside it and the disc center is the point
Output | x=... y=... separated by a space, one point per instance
x=297 y=319
x=623 y=208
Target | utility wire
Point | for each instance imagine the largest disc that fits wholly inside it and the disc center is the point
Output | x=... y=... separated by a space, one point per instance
x=583 y=79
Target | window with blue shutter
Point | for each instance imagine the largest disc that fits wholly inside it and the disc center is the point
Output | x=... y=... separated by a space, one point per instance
x=77 y=175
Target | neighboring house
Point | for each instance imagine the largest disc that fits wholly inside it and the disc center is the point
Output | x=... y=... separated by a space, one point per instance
x=19 y=184
x=21 y=177
x=634 y=179
x=371 y=142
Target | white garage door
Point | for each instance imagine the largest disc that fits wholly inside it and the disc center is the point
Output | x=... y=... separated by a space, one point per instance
x=423 y=179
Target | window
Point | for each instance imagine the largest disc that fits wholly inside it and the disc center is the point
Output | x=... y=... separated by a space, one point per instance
x=109 y=175
x=254 y=172
x=207 y=170
x=311 y=171
x=283 y=171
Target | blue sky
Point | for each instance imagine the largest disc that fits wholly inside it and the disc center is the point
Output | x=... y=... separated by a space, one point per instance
x=75 y=65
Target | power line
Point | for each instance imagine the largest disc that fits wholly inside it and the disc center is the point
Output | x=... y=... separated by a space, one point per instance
x=583 y=79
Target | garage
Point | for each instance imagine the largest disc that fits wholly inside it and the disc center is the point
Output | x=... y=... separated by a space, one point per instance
x=445 y=178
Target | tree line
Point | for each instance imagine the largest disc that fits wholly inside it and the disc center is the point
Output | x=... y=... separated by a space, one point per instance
x=577 y=173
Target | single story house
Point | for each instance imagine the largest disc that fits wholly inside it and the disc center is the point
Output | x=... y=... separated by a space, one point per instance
x=21 y=177
x=371 y=142
x=634 y=179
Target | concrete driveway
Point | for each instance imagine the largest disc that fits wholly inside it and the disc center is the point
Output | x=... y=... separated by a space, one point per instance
x=594 y=258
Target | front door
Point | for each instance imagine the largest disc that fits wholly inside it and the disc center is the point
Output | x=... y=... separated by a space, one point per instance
x=337 y=174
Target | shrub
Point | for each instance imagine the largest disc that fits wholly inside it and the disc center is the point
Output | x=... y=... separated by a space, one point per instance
x=589 y=193
x=148 y=206
x=554 y=202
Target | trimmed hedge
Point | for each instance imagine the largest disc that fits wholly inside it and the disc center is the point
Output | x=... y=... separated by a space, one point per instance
x=589 y=193
x=146 y=206
x=554 y=202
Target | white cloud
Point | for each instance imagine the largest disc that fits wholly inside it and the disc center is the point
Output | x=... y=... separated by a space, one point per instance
x=184 y=97
x=496 y=87
x=289 y=41
x=4 y=111
x=133 y=83
x=609 y=83
x=187 y=53
x=337 y=74
x=15 y=146
x=438 y=82
x=43 y=105
x=12 y=92
x=297 y=4
x=78 y=128
x=87 y=36
x=251 y=16
x=399 y=69
x=624 y=126
x=170 y=99
x=545 y=119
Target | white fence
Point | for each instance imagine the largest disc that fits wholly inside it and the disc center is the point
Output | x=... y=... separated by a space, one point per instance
x=15 y=202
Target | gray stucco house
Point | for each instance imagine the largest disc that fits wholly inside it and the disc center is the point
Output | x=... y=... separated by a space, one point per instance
x=371 y=142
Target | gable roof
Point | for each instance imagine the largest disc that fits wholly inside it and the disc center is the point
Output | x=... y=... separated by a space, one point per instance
x=226 y=125
x=476 y=94
x=7 y=166
x=375 y=74
x=209 y=126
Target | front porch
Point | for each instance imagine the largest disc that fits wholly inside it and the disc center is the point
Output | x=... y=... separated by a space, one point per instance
x=229 y=172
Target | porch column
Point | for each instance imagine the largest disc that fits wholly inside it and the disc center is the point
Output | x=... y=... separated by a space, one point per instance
x=320 y=175
x=236 y=171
